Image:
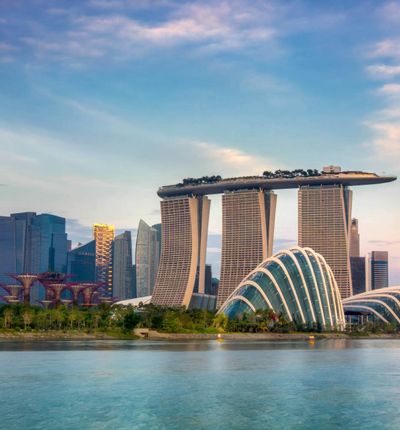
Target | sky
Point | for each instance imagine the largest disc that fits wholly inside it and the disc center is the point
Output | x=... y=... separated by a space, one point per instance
x=102 y=102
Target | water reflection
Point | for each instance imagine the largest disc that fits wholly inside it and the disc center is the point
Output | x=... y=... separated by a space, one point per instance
x=193 y=345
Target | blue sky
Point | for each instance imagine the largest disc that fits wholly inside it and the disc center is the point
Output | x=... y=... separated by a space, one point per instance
x=103 y=101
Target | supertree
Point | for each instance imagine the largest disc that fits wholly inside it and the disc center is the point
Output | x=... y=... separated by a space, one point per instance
x=88 y=288
x=10 y=299
x=66 y=302
x=75 y=290
x=49 y=278
x=46 y=303
x=13 y=290
x=27 y=280
x=57 y=289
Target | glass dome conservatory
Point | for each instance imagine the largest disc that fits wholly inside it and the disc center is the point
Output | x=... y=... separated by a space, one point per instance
x=381 y=305
x=296 y=283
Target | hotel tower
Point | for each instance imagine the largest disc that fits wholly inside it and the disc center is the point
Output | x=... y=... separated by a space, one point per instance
x=248 y=219
x=324 y=221
x=183 y=249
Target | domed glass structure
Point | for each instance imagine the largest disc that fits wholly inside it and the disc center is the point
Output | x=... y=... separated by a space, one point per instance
x=296 y=283
x=381 y=305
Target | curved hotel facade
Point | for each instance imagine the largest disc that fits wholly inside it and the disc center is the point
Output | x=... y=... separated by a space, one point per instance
x=296 y=283
x=324 y=224
x=248 y=219
x=183 y=249
x=248 y=206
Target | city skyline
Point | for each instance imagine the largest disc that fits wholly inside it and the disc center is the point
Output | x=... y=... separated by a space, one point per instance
x=93 y=122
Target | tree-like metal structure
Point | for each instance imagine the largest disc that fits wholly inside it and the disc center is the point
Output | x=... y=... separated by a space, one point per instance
x=57 y=290
x=46 y=303
x=49 y=278
x=13 y=290
x=27 y=280
x=75 y=290
x=88 y=288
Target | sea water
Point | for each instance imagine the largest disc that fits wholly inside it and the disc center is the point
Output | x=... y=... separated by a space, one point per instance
x=118 y=385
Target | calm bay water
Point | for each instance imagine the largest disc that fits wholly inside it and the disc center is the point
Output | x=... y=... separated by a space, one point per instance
x=333 y=384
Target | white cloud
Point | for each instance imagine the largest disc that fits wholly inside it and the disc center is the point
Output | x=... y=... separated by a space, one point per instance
x=386 y=143
x=6 y=47
x=383 y=71
x=388 y=48
x=390 y=90
x=229 y=161
x=218 y=26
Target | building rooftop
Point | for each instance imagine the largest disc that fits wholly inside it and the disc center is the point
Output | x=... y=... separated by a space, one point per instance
x=281 y=179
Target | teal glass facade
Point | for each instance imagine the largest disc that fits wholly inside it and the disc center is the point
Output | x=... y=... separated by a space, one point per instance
x=296 y=283
x=381 y=305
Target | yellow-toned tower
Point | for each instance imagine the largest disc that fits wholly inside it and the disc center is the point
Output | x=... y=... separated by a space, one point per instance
x=104 y=235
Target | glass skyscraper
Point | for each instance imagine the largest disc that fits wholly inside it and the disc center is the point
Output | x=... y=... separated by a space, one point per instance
x=379 y=269
x=122 y=266
x=82 y=263
x=147 y=258
x=31 y=243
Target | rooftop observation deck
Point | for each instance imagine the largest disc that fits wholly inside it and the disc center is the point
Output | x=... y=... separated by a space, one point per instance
x=267 y=183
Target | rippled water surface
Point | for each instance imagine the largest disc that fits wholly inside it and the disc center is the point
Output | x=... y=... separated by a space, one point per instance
x=333 y=384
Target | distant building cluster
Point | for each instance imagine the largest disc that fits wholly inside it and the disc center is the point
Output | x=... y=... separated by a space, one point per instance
x=33 y=244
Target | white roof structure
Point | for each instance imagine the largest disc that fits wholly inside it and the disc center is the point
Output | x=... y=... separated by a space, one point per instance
x=134 y=302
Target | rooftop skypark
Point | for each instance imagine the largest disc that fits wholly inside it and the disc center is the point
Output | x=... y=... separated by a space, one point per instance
x=280 y=179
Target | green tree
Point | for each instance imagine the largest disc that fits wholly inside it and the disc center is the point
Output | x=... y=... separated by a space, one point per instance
x=27 y=317
x=8 y=317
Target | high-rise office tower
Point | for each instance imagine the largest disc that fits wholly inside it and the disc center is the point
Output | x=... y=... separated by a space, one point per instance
x=248 y=218
x=104 y=236
x=354 y=239
x=147 y=258
x=122 y=266
x=49 y=244
x=324 y=216
x=31 y=243
x=133 y=285
x=158 y=229
x=379 y=269
x=207 y=280
x=183 y=249
x=81 y=265
x=358 y=274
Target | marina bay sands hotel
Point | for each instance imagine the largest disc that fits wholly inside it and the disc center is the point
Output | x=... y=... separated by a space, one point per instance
x=248 y=211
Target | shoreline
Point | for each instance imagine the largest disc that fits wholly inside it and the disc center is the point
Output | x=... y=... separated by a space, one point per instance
x=173 y=337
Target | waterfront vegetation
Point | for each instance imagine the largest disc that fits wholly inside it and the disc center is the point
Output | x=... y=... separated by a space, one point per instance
x=120 y=321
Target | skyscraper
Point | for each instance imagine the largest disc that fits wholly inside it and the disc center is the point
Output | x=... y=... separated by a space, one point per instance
x=248 y=219
x=184 y=243
x=358 y=274
x=324 y=214
x=354 y=239
x=31 y=243
x=82 y=263
x=379 y=269
x=133 y=285
x=104 y=236
x=122 y=266
x=147 y=258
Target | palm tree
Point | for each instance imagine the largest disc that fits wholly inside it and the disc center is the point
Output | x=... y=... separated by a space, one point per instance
x=27 y=317
x=8 y=317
